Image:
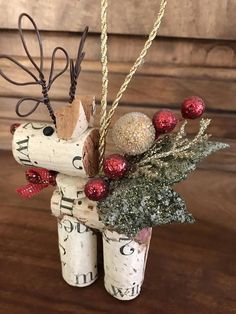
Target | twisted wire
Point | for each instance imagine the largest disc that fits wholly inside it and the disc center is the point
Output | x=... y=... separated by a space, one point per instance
x=46 y=99
x=39 y=81
x=75 y=66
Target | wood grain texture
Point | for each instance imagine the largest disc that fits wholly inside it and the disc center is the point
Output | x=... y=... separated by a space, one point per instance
x=191 y=268
x=126 y=48
x=222 y=125
x=197 y=19
x=167 y=87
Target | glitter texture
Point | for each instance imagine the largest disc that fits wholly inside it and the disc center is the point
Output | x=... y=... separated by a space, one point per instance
x=138 y=203
x=164 y=121
x=115 y=166
x=174 y=156
x=192 y=107
x=144 y=197
x=96 y=189
x=133 y=133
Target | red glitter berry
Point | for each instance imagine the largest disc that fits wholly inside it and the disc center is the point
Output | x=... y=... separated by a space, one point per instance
x=192 y=107
x=115 y=166
x=13 y=127
x=164 y=121
x=96 y=189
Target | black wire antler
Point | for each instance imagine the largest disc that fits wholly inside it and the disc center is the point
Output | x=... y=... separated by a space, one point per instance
x=75 y=67
x=41 y=78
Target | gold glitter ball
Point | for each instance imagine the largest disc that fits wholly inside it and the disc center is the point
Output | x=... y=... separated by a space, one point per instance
x=133 y=133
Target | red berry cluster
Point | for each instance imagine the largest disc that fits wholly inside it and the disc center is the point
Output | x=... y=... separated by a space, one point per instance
x=115 y=166
x=165 y=121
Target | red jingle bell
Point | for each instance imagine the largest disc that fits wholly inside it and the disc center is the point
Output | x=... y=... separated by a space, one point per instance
x=96 y=189
x=164 y=121
x=192 y=107
x=115 y=166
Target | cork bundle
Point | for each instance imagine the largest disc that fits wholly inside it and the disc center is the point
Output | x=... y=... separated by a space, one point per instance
x=72 y=151
x=67 y=153
x=123 y=195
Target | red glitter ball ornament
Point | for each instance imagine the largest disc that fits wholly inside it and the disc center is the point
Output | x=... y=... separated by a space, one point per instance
x=13 y=127
x=192 y=107
x=115 y=166
x=164 y=121
x=96 y=189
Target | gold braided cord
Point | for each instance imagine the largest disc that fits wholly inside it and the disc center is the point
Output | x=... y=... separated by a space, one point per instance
x=137 y=63
x=102 y=130
x=105 y=125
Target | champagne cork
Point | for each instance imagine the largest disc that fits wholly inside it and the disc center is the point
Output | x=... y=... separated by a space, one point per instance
x=78 y=252
x=124 y=264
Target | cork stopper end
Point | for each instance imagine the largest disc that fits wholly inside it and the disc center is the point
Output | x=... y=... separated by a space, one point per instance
x=74 y=119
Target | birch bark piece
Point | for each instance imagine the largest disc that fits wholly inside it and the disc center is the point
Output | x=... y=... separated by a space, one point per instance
x=78 y=252
x=84 y=210
x=75 y=157
x=74 y=119
x=124 y=265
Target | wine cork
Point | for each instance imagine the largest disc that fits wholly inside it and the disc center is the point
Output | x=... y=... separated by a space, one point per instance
x=124 y=264
x=78 y=252
x=71 y=187
x=73 y=119
x=84 y=210
x=75 y=157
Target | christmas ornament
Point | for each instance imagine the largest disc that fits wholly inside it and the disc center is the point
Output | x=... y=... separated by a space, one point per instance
x=115 y=166
x=13 y=127
x=96 y=189
x=32 y=176
x=82 y=202
x=39 y=179
x=164 y=121
x=133 y=133
x=192 y=107
x=40 y=175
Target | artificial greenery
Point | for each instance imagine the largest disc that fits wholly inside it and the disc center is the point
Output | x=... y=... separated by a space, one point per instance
x=174 y=156
x=145 y=197
x=134 y=204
